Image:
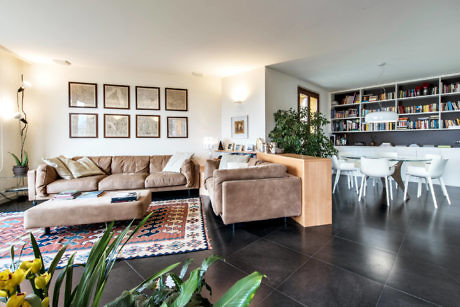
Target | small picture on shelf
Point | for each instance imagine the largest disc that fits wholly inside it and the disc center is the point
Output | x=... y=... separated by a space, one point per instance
x=230 y=146
x=250 y=147
x=238 y=147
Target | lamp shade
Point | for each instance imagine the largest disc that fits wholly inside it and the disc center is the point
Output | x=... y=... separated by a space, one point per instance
x=381 y=117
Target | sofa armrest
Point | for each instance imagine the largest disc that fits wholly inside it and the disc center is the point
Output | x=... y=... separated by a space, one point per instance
x=44 y=175
x=209 y=167
x=31 y=180
x=188 y=170
x=260 y=199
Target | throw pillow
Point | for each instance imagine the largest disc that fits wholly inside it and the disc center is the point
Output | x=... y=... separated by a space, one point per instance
x=232 y=158
x=175 y=162
x=60 y=167
x=235 y=165
x=83 y=167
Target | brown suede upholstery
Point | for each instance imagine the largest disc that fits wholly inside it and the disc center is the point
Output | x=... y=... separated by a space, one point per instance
x=45 y=175
x=136 y=168
x=209 y=168
x=259 y=192
x=85 y=211
x=164 y=179
x=130 y=164
x=125 y=181
x=82 y=184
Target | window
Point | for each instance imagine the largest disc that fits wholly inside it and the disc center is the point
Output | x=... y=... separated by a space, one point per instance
x=308 y=99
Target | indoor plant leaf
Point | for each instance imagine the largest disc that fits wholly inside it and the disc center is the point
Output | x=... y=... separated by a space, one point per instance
x=242 y=292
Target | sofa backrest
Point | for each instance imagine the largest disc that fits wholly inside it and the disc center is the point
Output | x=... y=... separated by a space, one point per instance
x=157 y=163
x=130 y=164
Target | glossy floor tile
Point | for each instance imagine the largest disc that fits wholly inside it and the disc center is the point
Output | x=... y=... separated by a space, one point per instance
x=372 y=255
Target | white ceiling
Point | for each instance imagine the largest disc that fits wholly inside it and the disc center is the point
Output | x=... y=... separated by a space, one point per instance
x=337 y=43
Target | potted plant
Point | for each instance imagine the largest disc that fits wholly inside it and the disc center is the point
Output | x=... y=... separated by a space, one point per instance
x=22 y=164
x=301 y=132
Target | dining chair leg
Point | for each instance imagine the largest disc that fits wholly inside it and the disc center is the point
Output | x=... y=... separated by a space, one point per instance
x=406 y=184
x=365 y=185
x=362 y=187
x=426 y=184
x=356 y=181
x=430 y=182
x=386 y=190
x=337 y=177
x=349 y=180
x=391 y=188
x=419 y=187
x=444 y=190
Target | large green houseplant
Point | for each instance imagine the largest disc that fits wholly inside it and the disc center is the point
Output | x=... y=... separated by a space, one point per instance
x=162 y=289
x=302 y=132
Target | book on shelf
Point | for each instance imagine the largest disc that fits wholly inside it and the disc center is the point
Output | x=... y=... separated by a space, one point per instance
x=92 y=194
x=453 y=87
x=433 y=107
x=451 y=123
x=72 y=194
x=450 y=106
x=418 y=91
x=124 y=197
x=378 y=127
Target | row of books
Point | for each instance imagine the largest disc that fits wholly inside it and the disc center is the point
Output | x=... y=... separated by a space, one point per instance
x=367 y=111
x=433 y=107
x=373 y=98
x=348 y=125
x=350 y=99
x=450 y=106
x=431 y=122
x=447 y=123
x=344 y=114
x=378 y=126
x=77 y=194
x=451 y=88
x=416 y=92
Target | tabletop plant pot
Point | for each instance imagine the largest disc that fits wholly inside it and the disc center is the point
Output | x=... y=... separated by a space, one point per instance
x=20 y=170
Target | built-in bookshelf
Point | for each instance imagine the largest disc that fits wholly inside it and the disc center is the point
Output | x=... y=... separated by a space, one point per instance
x=430 y=104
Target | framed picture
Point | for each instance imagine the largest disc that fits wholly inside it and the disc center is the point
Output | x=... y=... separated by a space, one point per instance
x=147 y=98
x=147 y=126
x=177 y=127
x=116 y=126
x=82 y=95
x=83 y=125
x=230 y=146
x=250 y=147
x=238 y=147
x=176 y=99
x=116 y=96
x=240 y=127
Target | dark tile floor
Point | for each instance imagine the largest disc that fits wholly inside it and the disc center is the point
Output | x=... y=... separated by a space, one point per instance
x=372 y=255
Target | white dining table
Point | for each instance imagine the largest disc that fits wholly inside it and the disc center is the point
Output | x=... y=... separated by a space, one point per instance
x=399 y=162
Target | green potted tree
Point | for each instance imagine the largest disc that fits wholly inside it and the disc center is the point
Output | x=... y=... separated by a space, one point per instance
x=301 y=132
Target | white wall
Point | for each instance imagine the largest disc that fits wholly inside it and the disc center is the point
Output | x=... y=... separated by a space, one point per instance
x=281 y=93
x=10 y=80
x=49 y=122
x=253 y=83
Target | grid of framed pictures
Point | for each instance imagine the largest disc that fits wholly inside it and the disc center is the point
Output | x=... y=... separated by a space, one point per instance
x=117 y=97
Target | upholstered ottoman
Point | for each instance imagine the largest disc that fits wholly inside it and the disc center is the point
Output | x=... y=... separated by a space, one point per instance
x=86 y=211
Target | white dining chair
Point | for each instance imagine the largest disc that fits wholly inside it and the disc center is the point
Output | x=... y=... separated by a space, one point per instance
x=390 y=155
x=423 y=164
x=346 y=168
x=432 y=170
x=376 y=168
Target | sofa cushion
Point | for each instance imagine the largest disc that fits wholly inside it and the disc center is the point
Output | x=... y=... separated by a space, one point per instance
x=83 y=184
x=130 y=164
x=188 y=170
x=157 y=163
x=60 y=167
x=232 y=158
x=44 y=176
x=82 y=167
x=177 y=160
x=126 y=181
x=103 y=162
x=164 y=179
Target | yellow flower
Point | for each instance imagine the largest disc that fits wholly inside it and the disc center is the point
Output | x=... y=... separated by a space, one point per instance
x=42 y=280
x=3 y=293
x=18 y=276
x=18 y=300
x=46 y=302
x=7 y=282
x=34 y=265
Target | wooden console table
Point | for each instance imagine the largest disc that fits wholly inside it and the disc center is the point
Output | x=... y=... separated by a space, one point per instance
x=316 y=176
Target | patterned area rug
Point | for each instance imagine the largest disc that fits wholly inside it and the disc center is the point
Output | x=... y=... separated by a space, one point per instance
x=176 y=226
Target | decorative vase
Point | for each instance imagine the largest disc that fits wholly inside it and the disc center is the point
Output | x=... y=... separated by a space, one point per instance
x=20 y=171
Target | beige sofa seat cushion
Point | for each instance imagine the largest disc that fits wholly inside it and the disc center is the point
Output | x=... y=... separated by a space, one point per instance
x=82 y=167
x=130 y=164
x=164 y=179
x=80 y=184
x=126 y=181
x=157 y=163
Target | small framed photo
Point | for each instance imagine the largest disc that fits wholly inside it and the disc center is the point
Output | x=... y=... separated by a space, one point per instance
x=147 y=126
x=147 y=98
x=238 y=147
x=117 y=126
x=82 y=95
x=177 y=127
x=250 y=147
x=230 y=146
x=240 y=127
x=116 y=96
x=83 y=125
x=176 y=99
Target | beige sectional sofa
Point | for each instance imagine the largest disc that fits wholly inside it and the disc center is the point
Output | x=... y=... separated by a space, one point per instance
x=121 y=173
x=262 y=191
